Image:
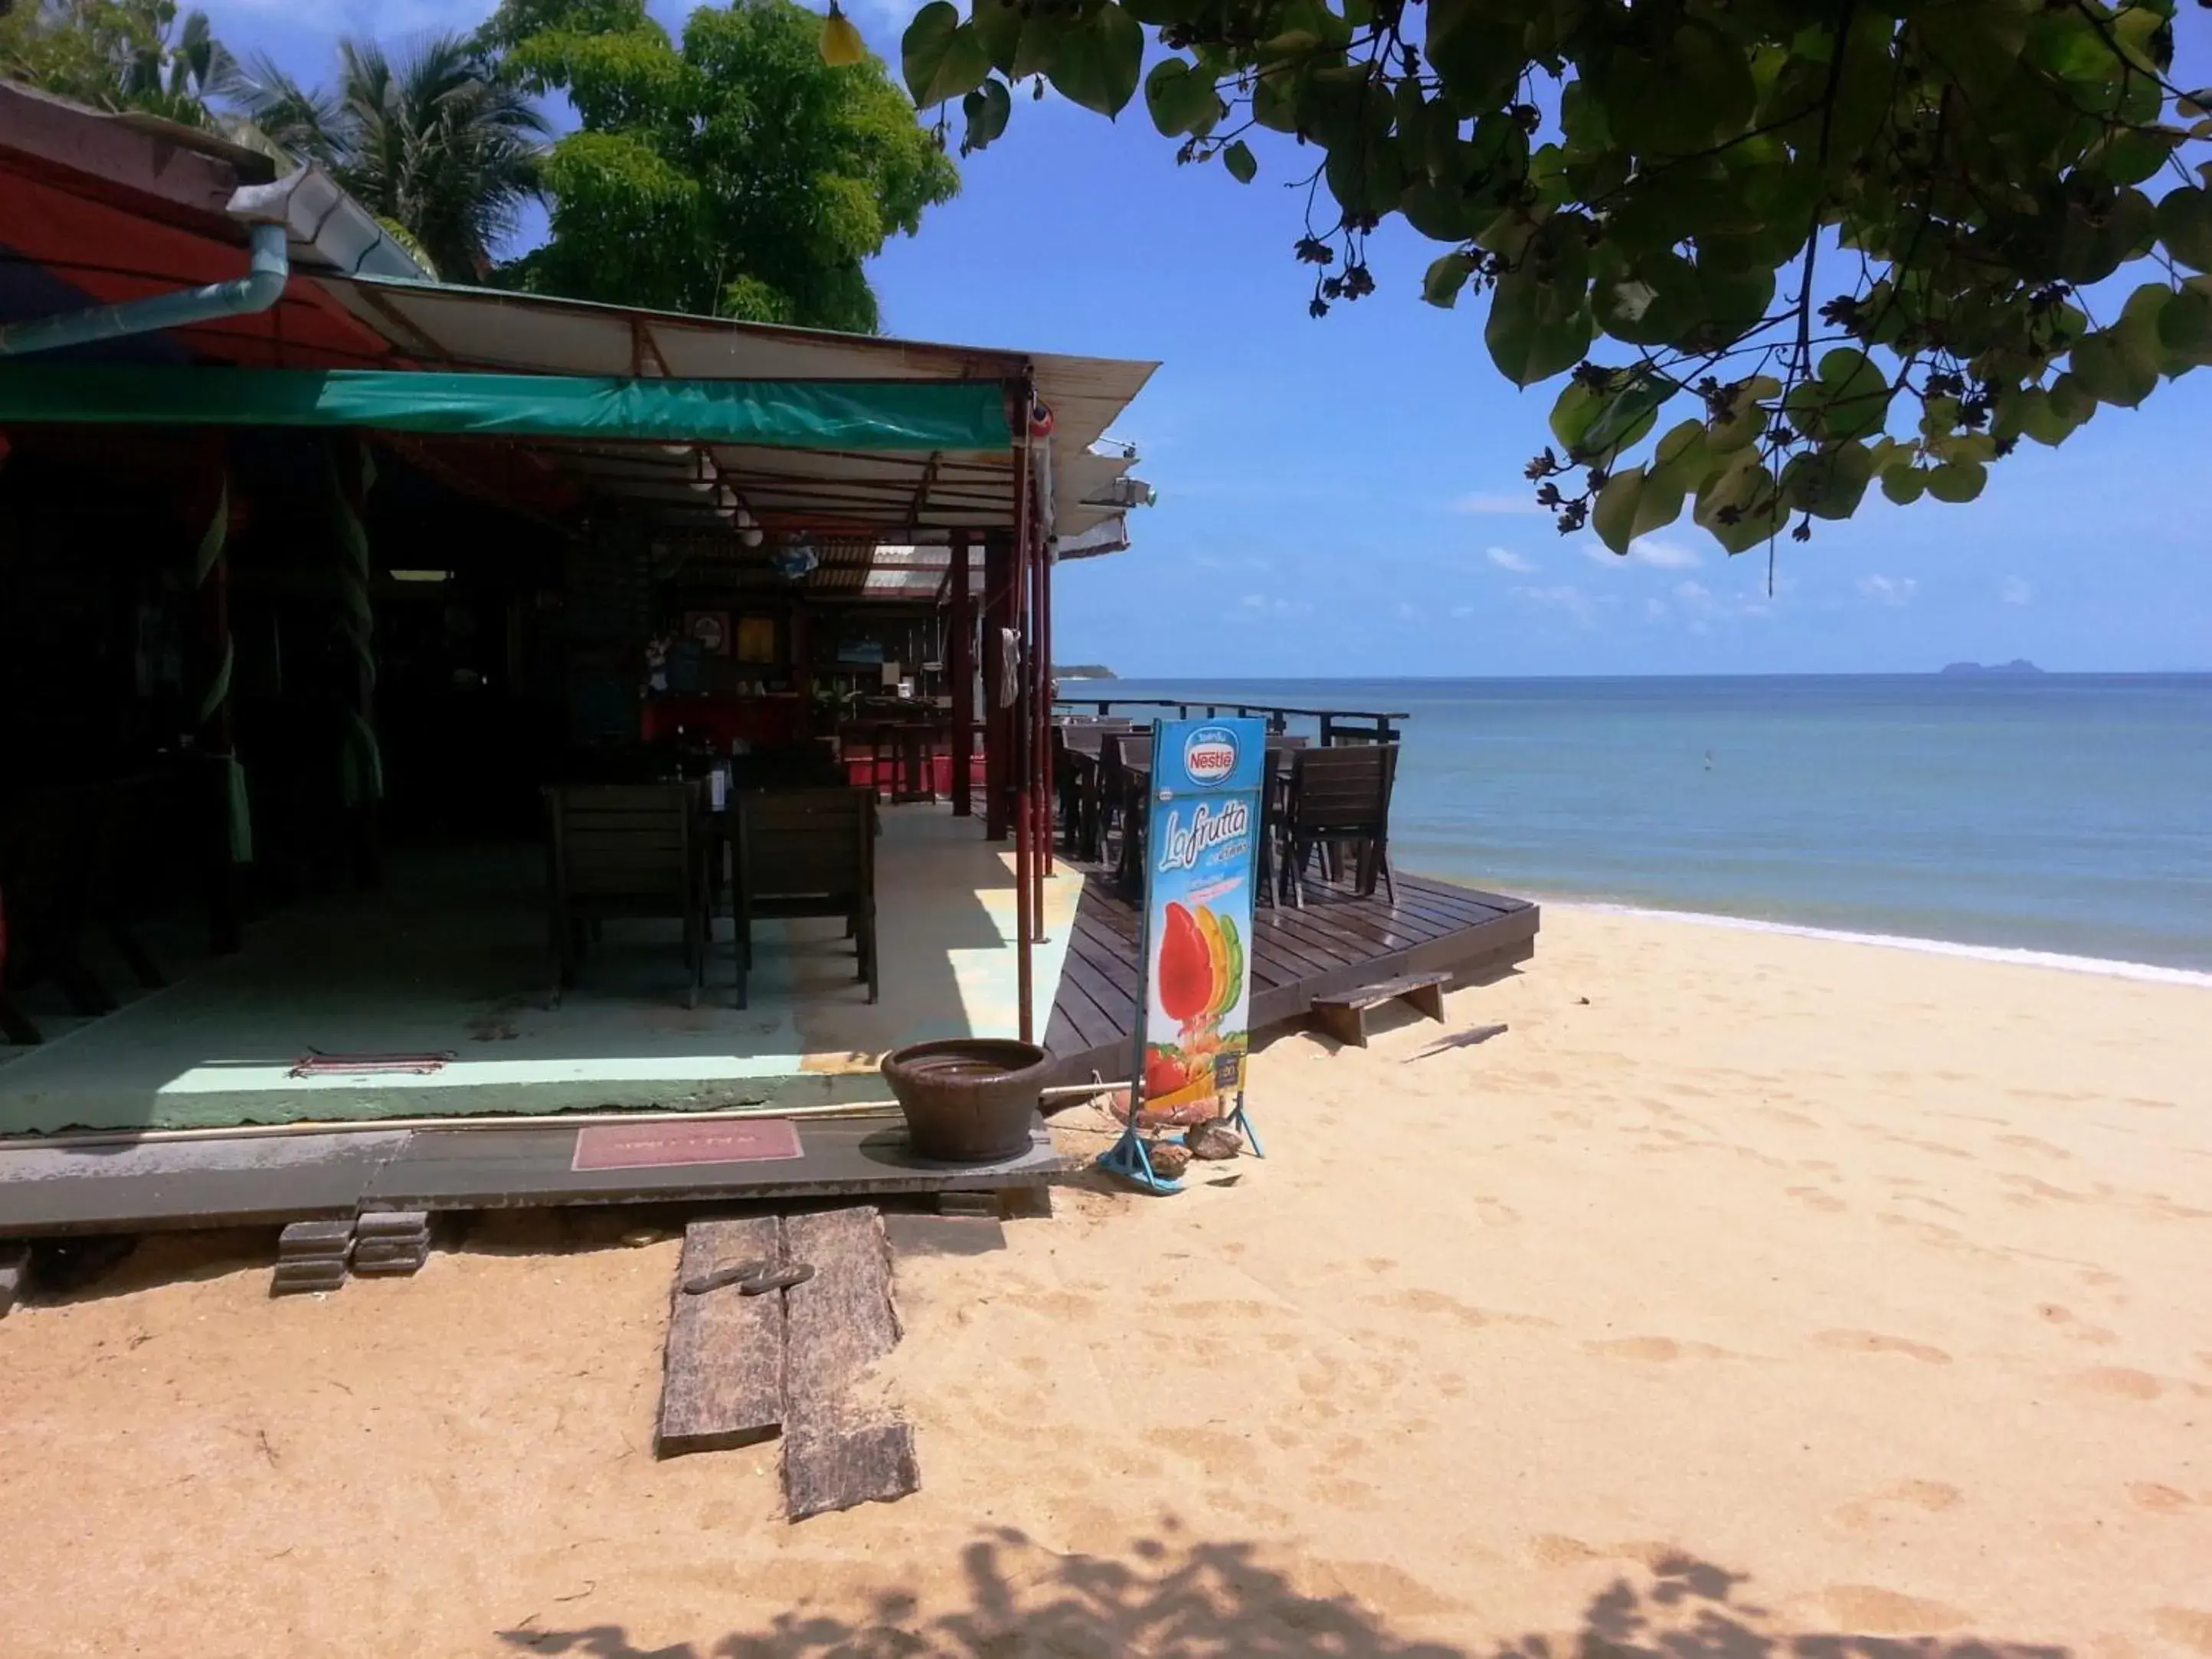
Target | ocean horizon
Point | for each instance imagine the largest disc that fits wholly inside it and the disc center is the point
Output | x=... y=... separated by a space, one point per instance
x=2062 y=819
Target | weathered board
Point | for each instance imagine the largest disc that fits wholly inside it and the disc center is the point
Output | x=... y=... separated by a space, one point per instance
x=1344 y=1015
x=842 y=1443
x=1342 y=941
x=722 y=1384
x=15 y=1260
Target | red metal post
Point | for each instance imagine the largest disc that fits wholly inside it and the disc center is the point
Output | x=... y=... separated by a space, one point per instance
x=998 y=730
x=1047 y=793
x=960 y=666
x=1026 y=547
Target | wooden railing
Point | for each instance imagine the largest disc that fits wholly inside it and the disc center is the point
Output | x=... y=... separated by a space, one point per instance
x=1335 y=725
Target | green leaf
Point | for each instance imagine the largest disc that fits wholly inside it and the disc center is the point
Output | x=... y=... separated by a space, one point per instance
x=1849 y=399
x=1446 y=277
x=2184 y=323
x=1635 y=503
x=1903 y=485
x=2104 y=369
x=1596 y=421
x=2185 y=225
x=1529 y=340
x=987 y=108
x=1682 y=459
x=1655 y=301
x=1829 y=483
x=1238 y=159
x=1096 y=60
x=1182 y=99
x=1441 y=215
x=1741 y=506
x=1478 y=50
x=998 y=25
x=1614 y=514
x=1746 y=416
x=943 y=58
x=1957 y=481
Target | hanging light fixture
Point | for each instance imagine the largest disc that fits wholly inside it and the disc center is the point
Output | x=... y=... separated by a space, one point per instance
x=841 y=45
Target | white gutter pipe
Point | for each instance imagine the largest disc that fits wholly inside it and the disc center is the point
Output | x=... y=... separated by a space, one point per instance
x=268 y=267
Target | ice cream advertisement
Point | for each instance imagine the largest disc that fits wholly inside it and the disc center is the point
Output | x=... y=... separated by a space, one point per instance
x=1201 y=851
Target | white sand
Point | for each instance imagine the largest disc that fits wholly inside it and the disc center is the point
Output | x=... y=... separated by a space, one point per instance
x=1784 y=1288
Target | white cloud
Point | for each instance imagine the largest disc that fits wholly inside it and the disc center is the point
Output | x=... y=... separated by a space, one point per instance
x=1695 y=594
x=1663 y=556
x=1506 y=559
x=1463 y=610
x=2017 y=591
x=1563 y=596
x=1895 y=592
x=1406 y=612
x=1483 y=504
x=1655 y=609
x=1646 y=551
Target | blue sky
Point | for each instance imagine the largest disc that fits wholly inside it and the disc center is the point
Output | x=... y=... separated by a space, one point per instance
x=1345 y=496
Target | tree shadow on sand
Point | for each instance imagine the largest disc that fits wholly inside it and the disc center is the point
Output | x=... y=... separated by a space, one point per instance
x=1215 y=1599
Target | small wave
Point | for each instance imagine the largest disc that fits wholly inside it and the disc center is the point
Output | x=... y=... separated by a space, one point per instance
x=2148 y=972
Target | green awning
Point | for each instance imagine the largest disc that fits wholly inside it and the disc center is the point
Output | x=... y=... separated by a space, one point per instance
x=911 y=415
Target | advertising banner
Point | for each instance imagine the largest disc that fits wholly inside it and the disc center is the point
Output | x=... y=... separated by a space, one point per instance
x=1201 y=855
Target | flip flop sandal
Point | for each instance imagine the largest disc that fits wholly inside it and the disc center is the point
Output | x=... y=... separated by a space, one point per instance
x=700 y=1283
x=781 y=1279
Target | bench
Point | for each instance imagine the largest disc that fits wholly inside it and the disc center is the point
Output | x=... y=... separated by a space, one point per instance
x=1344 y=1017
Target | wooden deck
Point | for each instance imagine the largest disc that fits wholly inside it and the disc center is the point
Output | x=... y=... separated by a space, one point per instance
x=1338 y=943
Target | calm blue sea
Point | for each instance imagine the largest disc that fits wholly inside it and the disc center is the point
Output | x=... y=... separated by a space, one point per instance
x=2064 y=813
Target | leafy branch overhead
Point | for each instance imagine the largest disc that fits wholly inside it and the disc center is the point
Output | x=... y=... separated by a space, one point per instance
x=1840 y=242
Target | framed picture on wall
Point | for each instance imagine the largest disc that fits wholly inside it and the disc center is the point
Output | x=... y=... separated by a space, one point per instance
x=709 y=630
x=756 y=639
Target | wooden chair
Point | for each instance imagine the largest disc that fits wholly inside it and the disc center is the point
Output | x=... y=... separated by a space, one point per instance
x=808 y=853
x=1339 y=794
x=625 y=850
x=1119 y=803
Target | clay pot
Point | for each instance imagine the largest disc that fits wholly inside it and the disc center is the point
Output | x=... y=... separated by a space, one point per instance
x=968 y=1100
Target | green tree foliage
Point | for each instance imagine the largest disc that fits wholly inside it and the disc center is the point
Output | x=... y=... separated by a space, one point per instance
x=437 y=143
x=736 y=174
x=1841 y=242
x=117 y=55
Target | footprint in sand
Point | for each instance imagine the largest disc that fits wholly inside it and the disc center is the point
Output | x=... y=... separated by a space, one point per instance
x=1927 y=1497
x=1553 y=1549
x=2191 y=1627
x=1870 y=1610
x=1211 y=1447
x=2119 y=1380
x=1813 y=1199
x=2064 y=1319
x=2158 y=1499
x=1874 y=1342
x=1659 y=1349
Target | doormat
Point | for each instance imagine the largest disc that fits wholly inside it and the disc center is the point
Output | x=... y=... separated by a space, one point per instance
x=674 y=1146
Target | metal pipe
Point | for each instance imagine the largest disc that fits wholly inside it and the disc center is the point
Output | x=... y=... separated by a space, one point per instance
x=263 y=285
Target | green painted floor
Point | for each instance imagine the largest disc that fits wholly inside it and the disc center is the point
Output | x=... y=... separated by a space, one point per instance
x=452 y=958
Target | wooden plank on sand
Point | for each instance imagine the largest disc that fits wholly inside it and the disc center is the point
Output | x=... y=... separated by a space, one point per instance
x=843 y=1445
x=723 y=1382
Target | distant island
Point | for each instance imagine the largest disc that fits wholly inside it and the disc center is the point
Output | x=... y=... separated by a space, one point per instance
x=2017 y=665
x=1083 y=670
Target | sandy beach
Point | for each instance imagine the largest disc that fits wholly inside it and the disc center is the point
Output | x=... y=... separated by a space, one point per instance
x=1750 y=1290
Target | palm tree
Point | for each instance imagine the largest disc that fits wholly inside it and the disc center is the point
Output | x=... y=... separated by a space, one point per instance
x=435 y=145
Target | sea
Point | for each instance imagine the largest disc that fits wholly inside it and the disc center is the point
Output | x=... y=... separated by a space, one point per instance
x=2065 y=818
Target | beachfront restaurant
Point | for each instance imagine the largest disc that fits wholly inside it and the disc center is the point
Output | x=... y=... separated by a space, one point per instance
x=358 y=633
